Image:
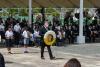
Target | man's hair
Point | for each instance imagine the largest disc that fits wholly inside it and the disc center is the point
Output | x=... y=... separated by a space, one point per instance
x=73 y=63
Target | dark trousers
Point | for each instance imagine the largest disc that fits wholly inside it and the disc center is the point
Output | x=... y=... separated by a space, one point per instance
x=17 y=38
x=49 y=50
x=71 y=39
x=93 y=38
x=9 y=43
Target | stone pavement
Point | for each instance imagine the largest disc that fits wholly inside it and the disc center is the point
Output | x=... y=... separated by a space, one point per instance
x=87 y=54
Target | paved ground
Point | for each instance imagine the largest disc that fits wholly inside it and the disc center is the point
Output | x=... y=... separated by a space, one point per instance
x=87 y=54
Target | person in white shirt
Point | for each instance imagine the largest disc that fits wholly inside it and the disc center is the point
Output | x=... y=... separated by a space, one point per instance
x=26 y=36
x=17 y=32
x=2 y=32
x=37 y=37
x=2 y=27
x=36 y=33
x=17 y=28
x=9 y=39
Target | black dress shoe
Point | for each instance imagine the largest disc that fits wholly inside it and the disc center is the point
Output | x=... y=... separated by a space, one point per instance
x=42 y=58
x=26 y=52
x=9 y=53
x=52 y=58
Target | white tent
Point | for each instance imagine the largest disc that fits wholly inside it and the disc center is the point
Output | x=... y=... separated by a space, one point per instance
x=48 y=3
x=54 y=3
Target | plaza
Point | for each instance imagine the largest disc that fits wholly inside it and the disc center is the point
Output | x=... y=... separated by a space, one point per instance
x=75 y=24
x=87 y=54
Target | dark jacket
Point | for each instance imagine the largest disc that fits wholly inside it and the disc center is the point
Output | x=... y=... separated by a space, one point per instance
x=43 y=30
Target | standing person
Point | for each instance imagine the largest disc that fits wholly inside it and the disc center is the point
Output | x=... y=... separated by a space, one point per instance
x=70 y=34
x=59 y=35
x=74 y=33
x=88 y=33
x=37 y=37
x=2 y=32
x=17 y=32
x=43 y=30
x=94 y=33
x=26 y=37
x=9 y=39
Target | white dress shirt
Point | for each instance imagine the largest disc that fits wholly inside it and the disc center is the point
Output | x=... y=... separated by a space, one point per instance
x=36 y=33
x=25 y=34
x=9 y=34
x=2 y=28
x=17 y=28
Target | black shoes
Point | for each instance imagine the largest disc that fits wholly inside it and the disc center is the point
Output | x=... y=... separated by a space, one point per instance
x=9 y=53
x=52 y=58
x=26 y=52
x=42 y=58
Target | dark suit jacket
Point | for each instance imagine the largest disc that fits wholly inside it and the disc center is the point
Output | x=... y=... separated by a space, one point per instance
x=43 y=30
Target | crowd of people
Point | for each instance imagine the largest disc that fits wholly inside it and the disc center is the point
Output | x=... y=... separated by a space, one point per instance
x=17 y=32
x=67 y=32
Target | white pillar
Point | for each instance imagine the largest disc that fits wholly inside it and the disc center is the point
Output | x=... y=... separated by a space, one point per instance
x=30 y=12
x=0 y=38
x=62 y=16
x=81 y=38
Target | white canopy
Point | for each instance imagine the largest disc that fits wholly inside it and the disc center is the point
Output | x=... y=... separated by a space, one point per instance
x=48 y=3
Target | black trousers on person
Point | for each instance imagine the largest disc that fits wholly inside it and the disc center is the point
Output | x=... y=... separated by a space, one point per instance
x=49 y=50
x=17 y=38
x=9 y=43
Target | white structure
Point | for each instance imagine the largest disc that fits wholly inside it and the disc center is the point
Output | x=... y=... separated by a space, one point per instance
x=30 y=12
x=81 y=38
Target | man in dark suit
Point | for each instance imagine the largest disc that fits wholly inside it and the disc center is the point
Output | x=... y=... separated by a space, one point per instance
x=43 y=30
